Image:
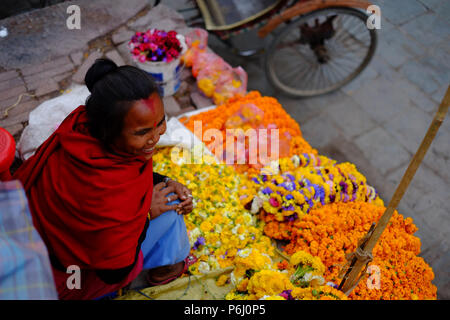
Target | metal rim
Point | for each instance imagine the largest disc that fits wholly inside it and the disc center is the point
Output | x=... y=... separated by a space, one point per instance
x=296 y=92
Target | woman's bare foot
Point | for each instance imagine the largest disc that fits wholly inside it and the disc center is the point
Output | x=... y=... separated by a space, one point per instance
x=163 y=273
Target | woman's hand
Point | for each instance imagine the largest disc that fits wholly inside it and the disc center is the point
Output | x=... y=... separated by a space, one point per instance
x=160 y=199
x=184 y=194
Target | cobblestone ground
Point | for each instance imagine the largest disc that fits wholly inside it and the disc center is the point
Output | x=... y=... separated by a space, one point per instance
x=377 y=121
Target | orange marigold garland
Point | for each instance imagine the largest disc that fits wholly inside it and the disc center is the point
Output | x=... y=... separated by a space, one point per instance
x=331 y=231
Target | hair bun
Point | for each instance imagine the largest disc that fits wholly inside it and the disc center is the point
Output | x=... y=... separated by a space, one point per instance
x=98 y=70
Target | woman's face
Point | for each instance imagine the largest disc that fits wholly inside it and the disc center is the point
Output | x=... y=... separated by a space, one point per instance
x=143 y=125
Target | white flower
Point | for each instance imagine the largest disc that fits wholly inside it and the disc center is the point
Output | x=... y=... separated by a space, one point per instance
x=213 y=262
x=256 y=205
x=203 y=267
x=193 y=235
x=218 y=228
x=308 y=277
x=203 y=214
x=248 y=219
x=235 y=229
x=235 y=281
x=295 y=160
x=244 y=253
x=264 y=297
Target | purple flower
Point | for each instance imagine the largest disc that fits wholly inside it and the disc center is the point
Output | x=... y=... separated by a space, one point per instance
x=266 y=190
x=289 y=197
x=200 y=241
x=256 y=181
x=288 y=186
x=332 y=284
x=264 y=178
x=290 y=208
x=290 y=176
x=287 y=295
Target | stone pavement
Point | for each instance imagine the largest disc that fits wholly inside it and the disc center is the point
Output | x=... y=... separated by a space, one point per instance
x=376 y=122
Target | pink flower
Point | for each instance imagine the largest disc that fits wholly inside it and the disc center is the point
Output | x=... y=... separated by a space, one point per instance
x=274 y=202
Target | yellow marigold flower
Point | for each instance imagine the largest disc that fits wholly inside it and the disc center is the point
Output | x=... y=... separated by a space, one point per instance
x=221 y=281
x=268 y=282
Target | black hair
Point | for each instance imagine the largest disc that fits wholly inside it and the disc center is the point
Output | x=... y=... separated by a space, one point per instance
x=113 y=91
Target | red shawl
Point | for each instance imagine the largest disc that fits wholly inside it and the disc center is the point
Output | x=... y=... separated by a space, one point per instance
x=89 y=205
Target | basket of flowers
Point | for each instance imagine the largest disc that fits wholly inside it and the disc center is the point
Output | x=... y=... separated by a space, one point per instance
x=158 y=52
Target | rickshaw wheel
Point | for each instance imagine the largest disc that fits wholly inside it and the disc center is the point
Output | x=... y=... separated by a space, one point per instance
x=320 y=52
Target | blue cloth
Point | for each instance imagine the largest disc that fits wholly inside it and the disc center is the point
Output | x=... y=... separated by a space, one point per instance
x=166 y=241
x=25 y=272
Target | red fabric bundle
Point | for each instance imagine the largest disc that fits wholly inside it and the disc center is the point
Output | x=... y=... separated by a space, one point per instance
x=88 y=204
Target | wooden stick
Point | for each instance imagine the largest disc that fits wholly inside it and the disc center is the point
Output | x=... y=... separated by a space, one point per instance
x=350 y=279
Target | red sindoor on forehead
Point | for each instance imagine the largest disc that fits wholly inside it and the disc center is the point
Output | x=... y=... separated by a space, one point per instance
x=150 y=103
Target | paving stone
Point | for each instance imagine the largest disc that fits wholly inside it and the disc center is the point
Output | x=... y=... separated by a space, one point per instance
x=81 y=72
x=437 y=255
x=438 y=155
x=433 y=4
x=425 y=188
x=428 y=29
x=77 y=57
x=62 y=76
x=409 y=128
x=300 y=109
x=34 y=81
x=382 y=150
x=382 y=99
x=123 y=34
x=14 y=129
x=397 y=48
x=12 y=92
x=369 y=73
x=161 y=17
x=401 y=11
x=7 y=75
x=47 y=87
x=259 y=80
x=200 y=101
x=116 y=57
x=350 y=118
x=319 y=132
x=171 y=106
x=414 y=94
x=124 y=51
x=22 y=107
x=420 y=75
x=45 y=67
x=437 y=60
x=11 y=83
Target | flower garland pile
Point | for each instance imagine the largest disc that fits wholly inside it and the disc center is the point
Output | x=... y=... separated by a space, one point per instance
x=235 y=114
x=300 y=279
x=155 y=45
x=289 y=188
x=332 y=231
x=219 y=226
x=215 y=78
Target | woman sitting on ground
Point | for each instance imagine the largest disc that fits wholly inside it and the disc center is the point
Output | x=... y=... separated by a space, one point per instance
x=94 y=197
